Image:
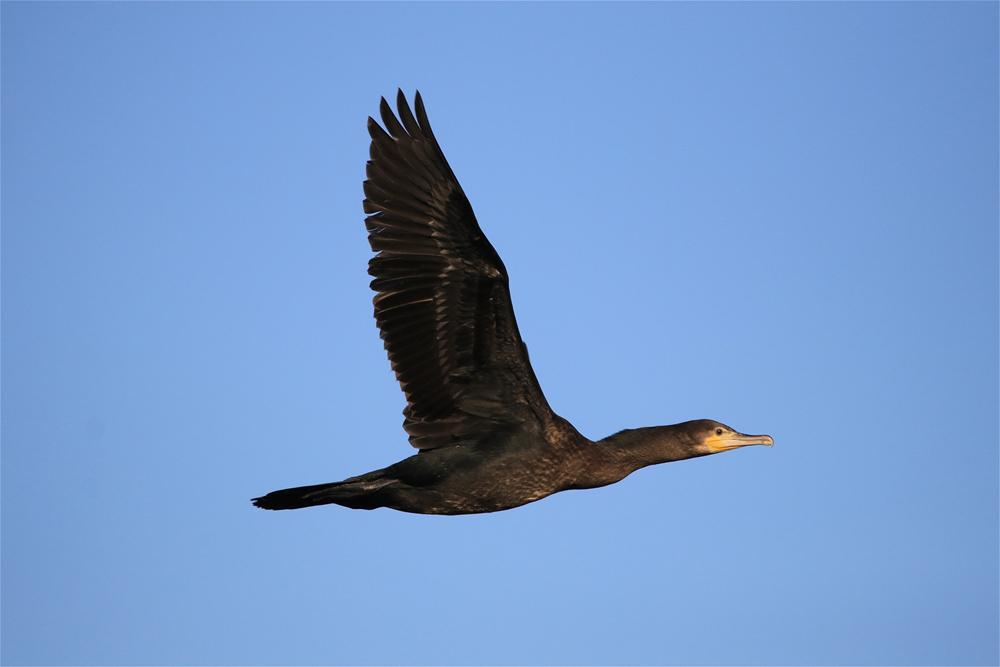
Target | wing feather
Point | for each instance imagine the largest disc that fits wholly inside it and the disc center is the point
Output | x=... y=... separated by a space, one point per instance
x=442 y=300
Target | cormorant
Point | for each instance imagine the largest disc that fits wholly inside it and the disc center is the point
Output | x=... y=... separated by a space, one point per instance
x=487 y=437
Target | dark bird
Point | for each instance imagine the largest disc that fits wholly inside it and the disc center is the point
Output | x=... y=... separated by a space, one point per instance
x=487 y=438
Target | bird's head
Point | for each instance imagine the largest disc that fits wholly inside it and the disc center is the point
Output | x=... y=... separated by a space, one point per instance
x=711 y=437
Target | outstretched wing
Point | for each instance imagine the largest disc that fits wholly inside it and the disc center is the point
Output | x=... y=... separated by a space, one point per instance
x=443 y=303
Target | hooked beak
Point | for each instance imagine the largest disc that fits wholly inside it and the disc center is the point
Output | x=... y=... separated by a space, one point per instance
x=727 y=441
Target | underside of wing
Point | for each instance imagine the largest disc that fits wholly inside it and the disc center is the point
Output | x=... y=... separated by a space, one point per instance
x=443 y=303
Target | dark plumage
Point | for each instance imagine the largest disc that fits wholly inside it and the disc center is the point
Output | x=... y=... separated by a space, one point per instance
x=488 y=439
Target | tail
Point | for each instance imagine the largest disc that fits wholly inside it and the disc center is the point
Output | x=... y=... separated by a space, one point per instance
x=356 y=493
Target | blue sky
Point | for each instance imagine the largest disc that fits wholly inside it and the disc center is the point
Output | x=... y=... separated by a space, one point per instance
x=780 y=216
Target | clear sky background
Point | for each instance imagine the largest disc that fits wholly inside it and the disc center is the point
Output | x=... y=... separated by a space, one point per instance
x=780 y=216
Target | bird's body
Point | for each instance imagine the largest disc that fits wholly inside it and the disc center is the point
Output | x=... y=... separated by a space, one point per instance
x=499 y=472
x=487 y=437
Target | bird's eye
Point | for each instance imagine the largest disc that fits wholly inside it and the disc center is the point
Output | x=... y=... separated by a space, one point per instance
x=718 y=431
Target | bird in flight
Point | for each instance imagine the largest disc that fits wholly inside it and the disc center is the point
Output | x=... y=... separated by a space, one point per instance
x=487 y=439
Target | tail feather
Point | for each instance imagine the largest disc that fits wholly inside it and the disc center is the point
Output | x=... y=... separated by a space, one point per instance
x=351 y=493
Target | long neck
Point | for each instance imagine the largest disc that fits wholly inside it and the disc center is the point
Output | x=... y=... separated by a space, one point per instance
x=626 y=451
